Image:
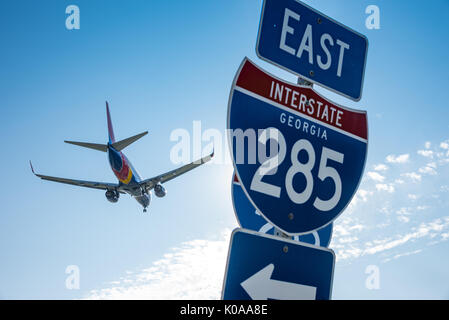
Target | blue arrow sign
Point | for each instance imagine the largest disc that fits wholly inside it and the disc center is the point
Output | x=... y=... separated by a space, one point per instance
x=262 y=267
x=298 y=156
x=301 y=40
x=249 y=218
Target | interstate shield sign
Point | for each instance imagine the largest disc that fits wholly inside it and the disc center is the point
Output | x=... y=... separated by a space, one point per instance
x=299 y=157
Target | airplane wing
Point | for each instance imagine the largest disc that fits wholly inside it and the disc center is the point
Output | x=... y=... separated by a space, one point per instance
x=149 y=184
x=81 y=183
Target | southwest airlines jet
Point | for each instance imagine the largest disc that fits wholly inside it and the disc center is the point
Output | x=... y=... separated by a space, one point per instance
x=129 y=180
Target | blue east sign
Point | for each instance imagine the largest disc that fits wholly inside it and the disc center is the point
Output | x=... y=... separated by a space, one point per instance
x=306 y=42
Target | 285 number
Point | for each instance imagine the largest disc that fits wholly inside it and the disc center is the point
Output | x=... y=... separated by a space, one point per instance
x=269 y=167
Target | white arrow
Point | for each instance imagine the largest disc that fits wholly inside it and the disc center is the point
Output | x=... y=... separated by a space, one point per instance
x=260 y=286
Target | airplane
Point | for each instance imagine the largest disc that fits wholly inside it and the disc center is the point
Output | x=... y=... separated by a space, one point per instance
x=129 y=180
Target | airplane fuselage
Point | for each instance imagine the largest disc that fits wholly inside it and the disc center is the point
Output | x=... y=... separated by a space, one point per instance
x=129 y=179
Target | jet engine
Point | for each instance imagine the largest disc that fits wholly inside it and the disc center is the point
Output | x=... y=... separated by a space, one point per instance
x=112 y=195
x=159 y=191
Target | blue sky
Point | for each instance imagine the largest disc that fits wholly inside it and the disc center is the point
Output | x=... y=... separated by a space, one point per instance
x=162 y=65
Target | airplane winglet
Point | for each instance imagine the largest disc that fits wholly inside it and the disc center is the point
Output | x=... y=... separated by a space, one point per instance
x=208 y=157
x=32 y=169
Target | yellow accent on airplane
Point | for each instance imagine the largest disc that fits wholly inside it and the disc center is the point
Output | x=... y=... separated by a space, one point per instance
x=128 y=179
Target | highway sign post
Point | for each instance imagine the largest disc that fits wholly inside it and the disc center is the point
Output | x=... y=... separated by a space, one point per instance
x=301 y=40
x=261 y=267
x=248 y=218
x=299 y=157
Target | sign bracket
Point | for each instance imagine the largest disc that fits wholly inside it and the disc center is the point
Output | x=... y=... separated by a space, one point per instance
x=304 y=82
x=279 y=233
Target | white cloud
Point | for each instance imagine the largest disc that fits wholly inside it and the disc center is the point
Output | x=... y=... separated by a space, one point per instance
x=427 y=145
x=193 y=270
x=375 y=176
x=363 y=194
x=403 y=158
x=357 y=227
x=398 y=225
x=403 y=219
x=340 y=230
x=385 y=187
x=424 y=230
x=426 y=153
x=402 y=215
x=432 y=165
x=444 y=161
x=444 y=145
x=405 y=254
x=403 y=211
x=427 y=170
x=413 y=176
x=413 y=196
x=380 y=167
x=347 y=240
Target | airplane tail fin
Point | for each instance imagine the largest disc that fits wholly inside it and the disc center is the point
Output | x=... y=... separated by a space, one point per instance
x=119 y=145
x=122 y=144
x=110 y=128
